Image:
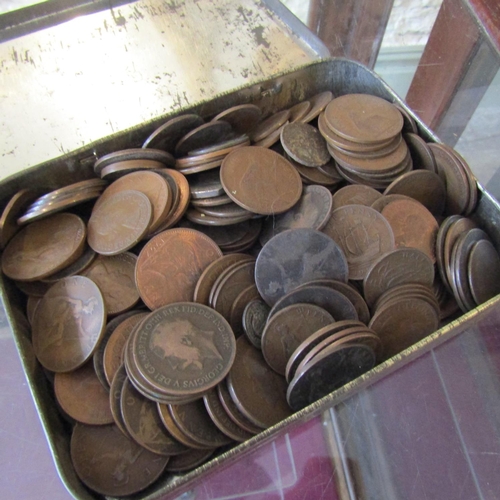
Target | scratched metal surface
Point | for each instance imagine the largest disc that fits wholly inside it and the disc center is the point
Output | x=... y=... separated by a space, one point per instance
x=65 y=87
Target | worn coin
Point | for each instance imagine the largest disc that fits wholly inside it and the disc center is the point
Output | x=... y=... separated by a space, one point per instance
x=78 y=267
x=483 y=271
x=299 y=111
x=254 y=320
x=68 y=324
x=242 y=117
x=355 y=194
x=421 y=153
x=206 y=185
x=202 y=136
x=133 y=154
x=189 y=460
x=112 y=464
x=168 y=135
x=115 y=391
x=304 y=144
x=247 y=295
x=269 y=125
x=318 y=104
x=120 y=169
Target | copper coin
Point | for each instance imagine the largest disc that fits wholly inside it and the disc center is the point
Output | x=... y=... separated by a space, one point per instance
x=269 y=125
x=330 y=170
x=295 y=257
x=248 y=241
x=299 y=111
x=8 y=220
x=413 y=226
x=254 y=320
x=355 y=194
x=483 y=271
x=120 y=169
x=170 y=265
x=242 y=117
x=184 y=348
x=189 y=460
x=403 y=323
x=408 y=290
x=217 y=201
x=238 y=306
x=286 y=330
x=363 y=234
x=115 y=345
x=363 y=118
x=115 y=392
x=304 y=144
x=194 y=420
x=371 y=153
x=167 y=135
x=202 y=136
x=311 y=211
x=333 y=368
x=82 y=396
x=206 y=185
x=421 y=153
x=260 y=180
x=112 y=464
x=133 y=154
x=221 y=419
x=203 y=167
x=120 y=222
x=142 y=421
x=72 y=188
x=336 y=303
x=258 y=391
x=31 y=306
x=271 y=139
x=114 y=275
x=68 y=324
x=78 y=267
x=209 y=276
x=44 y=247
x=217 y=150
x=410 y=125
x=314 y=175
x=318 y=104
x=403 y=265
x=384 y=200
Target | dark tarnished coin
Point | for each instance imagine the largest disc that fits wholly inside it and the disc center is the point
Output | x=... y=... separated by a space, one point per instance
x=246 y=296
x=142 y=421
x=121 y=169
x=269 y=125
x=133 y=154
x=194 y=420
x=295 y=257
x=115 y=392
x=215 y=151
x=206 y=185
x=403 y=265
x=82 y=396
x=260 y=180
x=112 y=464
x=184 y=348
x=413 y=226
x=168 y=135
x=333 y=368
x=170 y=265
x=363 y=234
x=114 y=275
x=189 y=460
x=287 y=329
x=15 y=206
x=68 y=324
x=254 y=320
x=197 y=216
x=44 y=247
x=355 y=194
x=77 y=267
x=216 y=201
x=304 y=144
x=202 y=136
x=221 y=419
x=227 y=210
x=242 y=118
x=258 y=391
x=311 y=211
x=483 y=271
x=120 y=222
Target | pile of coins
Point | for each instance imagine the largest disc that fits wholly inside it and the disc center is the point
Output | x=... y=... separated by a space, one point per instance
x=228 y=272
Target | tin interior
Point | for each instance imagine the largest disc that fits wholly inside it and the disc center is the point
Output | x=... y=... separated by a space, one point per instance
x=338 y=75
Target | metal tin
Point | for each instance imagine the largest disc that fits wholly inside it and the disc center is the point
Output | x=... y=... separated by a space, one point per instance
x=284 y=90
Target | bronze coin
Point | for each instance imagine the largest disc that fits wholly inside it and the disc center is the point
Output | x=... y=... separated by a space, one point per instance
x=8 y=220
x=384 y=200
x=120 y=222
x=287 y=329
x=254 y=320
x=167 y=135
x=363 y=118
x=121 y=169
x=299 y=111
x=31 y=305
x=403 y=265
x=184 y=349
x=189 y=460
x=68 y=324
x=83 y=397
x=114 y=275
x=112 y=464
x=115 y=345
x=170 y=265
x=413 y=226
x=318 y=104
x=217 y=201
x=242 y=117
x=133 y=154
x=194 y=420
x=363 y=234
x=355 y=194
x=204 y=135
x=408 y=290
x=202 y=167
x=311 y=211
x=421 y=185
x=258 y=391
x=142 y=421
x=410 y=125
x=215 y=151
x=260 y=180
x=304 y=144
x=209 y=276
x=246 y=296
x=371 y=153
x=295 y=257
x=78 y=267
x=115 y=392
x=269 y=125
x=333 y=368
x=421 y=153
x=221 y=419
x=403 y=323
x=314 y=175
x=44 y=247
x=330 y=170
x=483 y=270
